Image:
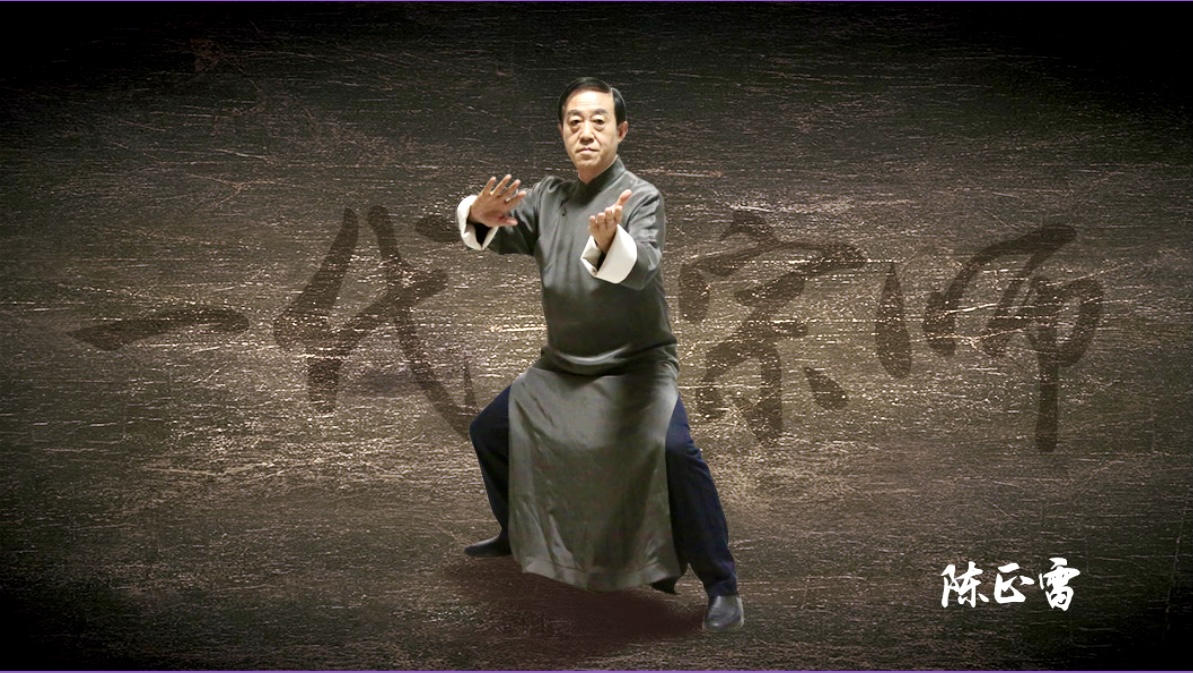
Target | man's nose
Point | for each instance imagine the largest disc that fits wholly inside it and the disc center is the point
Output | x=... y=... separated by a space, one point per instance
x=586 y=131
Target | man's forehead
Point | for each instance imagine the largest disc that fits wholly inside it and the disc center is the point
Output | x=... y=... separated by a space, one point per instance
x=589 y=100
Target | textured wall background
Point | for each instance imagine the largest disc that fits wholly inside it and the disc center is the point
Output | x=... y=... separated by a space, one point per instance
x=930 y=271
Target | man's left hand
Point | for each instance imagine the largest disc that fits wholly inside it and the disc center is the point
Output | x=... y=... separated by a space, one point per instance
x=603 y=225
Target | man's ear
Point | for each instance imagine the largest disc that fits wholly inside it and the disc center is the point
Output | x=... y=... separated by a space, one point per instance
x=622 y=129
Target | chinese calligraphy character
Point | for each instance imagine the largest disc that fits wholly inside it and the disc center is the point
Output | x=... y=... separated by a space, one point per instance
x=1004 y=590
x=1037 y=317
x=116 y=335
x=758 y=336
x=306 y=320
x=1059 y=593
x=965 y=586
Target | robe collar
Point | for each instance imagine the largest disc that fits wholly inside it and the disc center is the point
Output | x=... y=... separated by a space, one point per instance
x=585 y=192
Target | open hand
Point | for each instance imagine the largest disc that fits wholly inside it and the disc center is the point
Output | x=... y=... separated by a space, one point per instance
x=603 y=225
x=494 y=203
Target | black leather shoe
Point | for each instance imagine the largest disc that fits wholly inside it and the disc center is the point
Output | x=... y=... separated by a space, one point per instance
x=491 y=548
x=725 y=613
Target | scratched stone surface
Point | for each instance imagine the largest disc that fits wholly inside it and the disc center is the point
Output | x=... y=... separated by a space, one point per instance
x=929 y=267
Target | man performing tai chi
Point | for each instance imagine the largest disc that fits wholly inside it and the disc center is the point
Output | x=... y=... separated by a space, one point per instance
x=587 y=457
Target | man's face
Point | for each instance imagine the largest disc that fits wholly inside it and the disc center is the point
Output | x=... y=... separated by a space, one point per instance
x=591 y=133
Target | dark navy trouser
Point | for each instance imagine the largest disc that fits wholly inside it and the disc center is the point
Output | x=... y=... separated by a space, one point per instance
x=697 y=520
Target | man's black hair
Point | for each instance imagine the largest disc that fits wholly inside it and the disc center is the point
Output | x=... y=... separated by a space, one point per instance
x=592 y=84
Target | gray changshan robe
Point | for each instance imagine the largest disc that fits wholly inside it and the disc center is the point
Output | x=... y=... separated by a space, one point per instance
x=588 y=421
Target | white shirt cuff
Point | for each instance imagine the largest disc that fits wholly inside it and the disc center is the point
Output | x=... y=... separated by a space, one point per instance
x=467 y=230
x=619 y=261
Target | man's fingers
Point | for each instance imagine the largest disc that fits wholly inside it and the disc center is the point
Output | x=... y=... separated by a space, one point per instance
x=504 y=190
x=602 y=228
x=601 y=222
x=516 y=198
x=493 y=187
x=501 y=185
x=613 y=213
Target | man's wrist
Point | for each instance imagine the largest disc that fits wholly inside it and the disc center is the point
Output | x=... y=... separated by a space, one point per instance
x=615 y=264
x=603 y=245
x=469 y=230
x=471 y=217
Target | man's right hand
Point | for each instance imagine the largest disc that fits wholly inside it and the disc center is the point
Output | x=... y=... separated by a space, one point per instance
x=494 y=203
